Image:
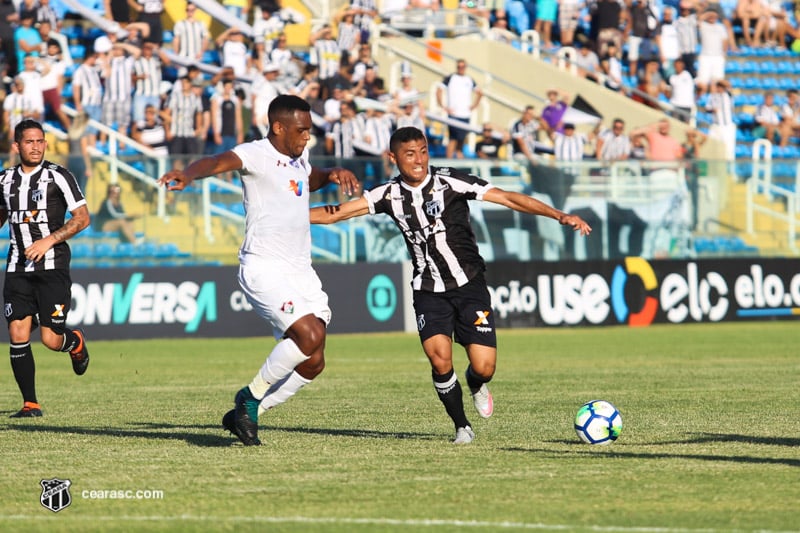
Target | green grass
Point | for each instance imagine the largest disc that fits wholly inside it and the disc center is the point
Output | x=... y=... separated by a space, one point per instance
x=711 y=437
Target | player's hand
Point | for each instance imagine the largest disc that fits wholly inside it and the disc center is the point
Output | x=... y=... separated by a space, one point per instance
x=174 y=180
x=36 y=251
x=345 y=179
x=577 y=223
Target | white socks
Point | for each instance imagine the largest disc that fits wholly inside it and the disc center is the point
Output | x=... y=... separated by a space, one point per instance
x=282 y=391
x=279 y=364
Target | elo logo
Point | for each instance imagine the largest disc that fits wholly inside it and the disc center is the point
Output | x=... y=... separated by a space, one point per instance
x=634 y=266
x=381 y=298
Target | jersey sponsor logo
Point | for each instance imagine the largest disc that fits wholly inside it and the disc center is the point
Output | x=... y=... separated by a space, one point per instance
x=481 y=320
x=36 y=216
x=444 y=187
x=59 y=311
x=434 y=208
x=296 y=187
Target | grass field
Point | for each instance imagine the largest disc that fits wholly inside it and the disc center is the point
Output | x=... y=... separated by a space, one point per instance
x=711 y=439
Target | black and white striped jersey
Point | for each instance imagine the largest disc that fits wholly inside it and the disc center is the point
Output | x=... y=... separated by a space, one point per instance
x=434 y=220
x=37 y=204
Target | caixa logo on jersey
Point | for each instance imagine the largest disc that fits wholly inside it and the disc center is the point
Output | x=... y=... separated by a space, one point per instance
x=36 y=216
x=55 y=494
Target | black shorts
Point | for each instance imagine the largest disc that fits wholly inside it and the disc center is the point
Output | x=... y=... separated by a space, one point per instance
x=457 y=134
x=465 y=314
x=47 y=293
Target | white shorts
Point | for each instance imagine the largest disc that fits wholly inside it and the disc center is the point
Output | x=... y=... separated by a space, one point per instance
x=710 y=68
x=282 y=298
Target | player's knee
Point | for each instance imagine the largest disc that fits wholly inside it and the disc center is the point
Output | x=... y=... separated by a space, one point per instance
x=313 y=366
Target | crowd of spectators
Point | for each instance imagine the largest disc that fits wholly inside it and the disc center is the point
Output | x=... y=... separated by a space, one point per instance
x=675 y=50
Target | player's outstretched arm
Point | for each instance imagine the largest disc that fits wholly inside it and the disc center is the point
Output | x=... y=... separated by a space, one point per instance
x=328 y=214
x=178 y=180
x=342 y=177
x=527 y=204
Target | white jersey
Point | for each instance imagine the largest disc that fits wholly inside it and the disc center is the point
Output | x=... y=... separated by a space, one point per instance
x=276 y=200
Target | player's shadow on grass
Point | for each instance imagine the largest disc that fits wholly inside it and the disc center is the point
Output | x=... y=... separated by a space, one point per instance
x=598 y=451
x=701 y=438
x=194 y=435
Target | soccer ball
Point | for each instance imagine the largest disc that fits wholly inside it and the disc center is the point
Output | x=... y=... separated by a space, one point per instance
x=598 y=422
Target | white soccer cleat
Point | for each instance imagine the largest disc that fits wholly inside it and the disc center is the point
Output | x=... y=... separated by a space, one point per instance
x=484 y=403
x=464 y=435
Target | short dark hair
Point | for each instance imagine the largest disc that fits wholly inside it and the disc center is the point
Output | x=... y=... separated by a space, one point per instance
x=27 y=124
x=286 y=104
x=404 y=135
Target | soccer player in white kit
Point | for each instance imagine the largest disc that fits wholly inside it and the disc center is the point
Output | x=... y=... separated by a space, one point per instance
x=275 y=269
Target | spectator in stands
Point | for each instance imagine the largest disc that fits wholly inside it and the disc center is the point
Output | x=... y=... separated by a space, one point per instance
x=662 y=146
x=643 y=32
x=333 y=106
x=301 y=88
x=365 y=12
x=47 y=33
x=611 y=66
x=151 y=133
x=613 y=144
x=408 y=114
x=768 y=119
x=45 y=12
x=26 y=38
x=491 y=145
x=378 y=128
x=720 y=105
x=111 y=216
x=363 y=60
x=713 y=47
x=668 y=42
x=149 y=12
x=553 y=112
x=281 y=56
x=118 y=11
x=87 y=94
x=407 y=89
x=264 y=92
x=147 y=77
x=234 y=51
x=686 y=30
x=325 y=54
x=348 y=35
x=545 y=17
x=607 y=17
x=191 y=37
x=651 y=84
x=372 y=86
x=753 y=15
x=184 y=112
x=681 y=93
x=790 y=116
x=16 y=108
x=568 y=14
x=343 y=79
x=458 y=95
x=569 y=145
x=33 y=86
x=340 y=141
x=525 y=134
x=226 y=118
x=778 y=25
x=52 y=83
x=118 y=86
x=640 y=151
x=587 y=61
x=266 y=30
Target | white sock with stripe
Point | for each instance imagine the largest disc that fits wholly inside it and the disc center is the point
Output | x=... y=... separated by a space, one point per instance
x=279 y=364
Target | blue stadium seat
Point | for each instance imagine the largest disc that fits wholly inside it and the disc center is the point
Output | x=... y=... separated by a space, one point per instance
x=73 y=32
x=77 y=51
x=103 y=250
x=168 y=36
x=211 y=57
x=124 y=250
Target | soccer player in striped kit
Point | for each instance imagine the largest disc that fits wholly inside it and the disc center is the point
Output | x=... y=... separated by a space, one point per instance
x=430 y=207
x=35 y=196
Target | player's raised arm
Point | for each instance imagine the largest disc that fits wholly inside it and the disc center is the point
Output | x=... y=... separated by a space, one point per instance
x=177 y=180
x=328 y=214
x=342 y=177
x=527 y=204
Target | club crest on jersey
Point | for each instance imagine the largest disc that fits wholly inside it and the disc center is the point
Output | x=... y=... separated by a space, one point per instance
x=37 y=195
x=433 y=208
x=420 y=322
x=8 y=310
x=296 y=187
x=288 y=307
x=36 y=216
x=55 y=494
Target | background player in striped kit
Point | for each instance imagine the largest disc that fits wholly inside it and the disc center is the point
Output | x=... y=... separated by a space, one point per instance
x=430 y=207
x=36 y=194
